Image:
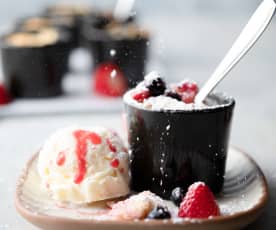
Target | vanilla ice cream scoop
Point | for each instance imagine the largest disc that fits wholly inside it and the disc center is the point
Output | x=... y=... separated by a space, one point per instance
x=83 y=165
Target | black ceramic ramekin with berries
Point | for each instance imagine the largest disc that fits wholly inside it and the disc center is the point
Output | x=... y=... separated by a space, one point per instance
x=176 y=148
x=35 y=71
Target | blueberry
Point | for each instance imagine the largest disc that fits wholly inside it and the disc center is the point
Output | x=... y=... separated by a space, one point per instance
x=156 y=86
x=159 y=213
x=173 y=95
x=177 y=195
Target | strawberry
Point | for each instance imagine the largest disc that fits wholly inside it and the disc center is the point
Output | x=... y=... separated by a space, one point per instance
x=199 y=202
x=188 y=90
x=4 y=95
x=109 y=80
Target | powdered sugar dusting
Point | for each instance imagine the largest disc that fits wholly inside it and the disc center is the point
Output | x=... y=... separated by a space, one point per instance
x=163 y=102
x=151 y=77
x=159 y=103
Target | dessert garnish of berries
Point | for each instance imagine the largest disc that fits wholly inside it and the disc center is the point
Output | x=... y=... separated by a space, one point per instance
x=109 y=80
x=154 y=85
x=199 y=202
x=187 y=90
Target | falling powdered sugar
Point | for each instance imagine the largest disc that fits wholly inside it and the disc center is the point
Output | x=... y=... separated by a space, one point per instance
x=112 y=52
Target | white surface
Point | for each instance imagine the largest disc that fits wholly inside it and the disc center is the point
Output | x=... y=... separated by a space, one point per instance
x=78 y=98
x=61 y=105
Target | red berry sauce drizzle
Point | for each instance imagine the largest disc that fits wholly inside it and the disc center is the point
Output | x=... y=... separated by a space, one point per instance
x=61 y=158
x=111 y=146
x=82 y=137
x=115 y=163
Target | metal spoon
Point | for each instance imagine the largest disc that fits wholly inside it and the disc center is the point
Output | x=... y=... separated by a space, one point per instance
x=248 y=37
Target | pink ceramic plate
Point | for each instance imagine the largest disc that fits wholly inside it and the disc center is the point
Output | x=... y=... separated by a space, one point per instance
x=243 y=198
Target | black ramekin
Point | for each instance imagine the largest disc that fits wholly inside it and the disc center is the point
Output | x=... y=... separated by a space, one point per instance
x=99 y=20
x=58 y=17
x=63 y=24
x=176 y=148
x=65 y=30
x=34 y=72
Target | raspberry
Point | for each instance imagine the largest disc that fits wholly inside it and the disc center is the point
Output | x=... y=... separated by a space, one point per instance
x=188 y=90
x=188 y=86
x=141 y=96
x=199 y=202
x=188 y=98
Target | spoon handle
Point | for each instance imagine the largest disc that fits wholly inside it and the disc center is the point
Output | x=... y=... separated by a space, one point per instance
x=250 y=34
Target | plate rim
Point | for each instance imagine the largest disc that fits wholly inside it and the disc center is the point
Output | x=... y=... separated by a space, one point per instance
x=255 y=211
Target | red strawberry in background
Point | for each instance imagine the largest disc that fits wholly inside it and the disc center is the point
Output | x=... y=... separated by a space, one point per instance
x=4 y=95
x=199 y=202
x=109 y=80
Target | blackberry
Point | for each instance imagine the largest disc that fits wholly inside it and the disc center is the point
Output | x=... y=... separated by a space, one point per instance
x=159 y=213
x=173 y=95
x=156 y=86
x=177 y=195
